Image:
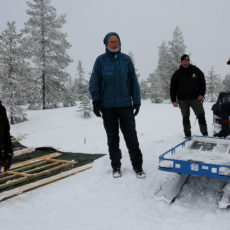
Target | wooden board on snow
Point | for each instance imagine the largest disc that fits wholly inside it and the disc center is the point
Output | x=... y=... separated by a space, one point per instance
x=17 y=191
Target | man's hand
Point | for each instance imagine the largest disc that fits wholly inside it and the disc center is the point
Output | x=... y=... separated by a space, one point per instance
x=200 y=98
x=175 y=104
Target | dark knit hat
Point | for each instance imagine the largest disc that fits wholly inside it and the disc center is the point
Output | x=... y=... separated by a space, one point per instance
x=185 y=57
x=228 y=62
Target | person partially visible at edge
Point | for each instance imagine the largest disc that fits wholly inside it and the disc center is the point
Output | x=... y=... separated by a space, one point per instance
x=115 y=93
x=187 y=89
x=224 y=113
x=6 y=151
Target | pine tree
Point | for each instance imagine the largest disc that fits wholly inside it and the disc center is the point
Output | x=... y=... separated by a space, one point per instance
x=15 y=72
x=156 y=93
x=81 y=86
x=169 y=59
x=69 y=96
x=226 y=83
x=134 y=64
x=85 y=107
x=164 y=69
x=48 y=49
x=213 y=85
x=176 y=48
x=80 y=82
x=144 y=89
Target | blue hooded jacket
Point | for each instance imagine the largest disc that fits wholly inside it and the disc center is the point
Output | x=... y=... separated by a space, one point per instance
x=113 y=82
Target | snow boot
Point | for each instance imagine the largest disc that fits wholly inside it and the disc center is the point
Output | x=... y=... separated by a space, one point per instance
x=117 y=172
x=225 y=131
x=140 y=173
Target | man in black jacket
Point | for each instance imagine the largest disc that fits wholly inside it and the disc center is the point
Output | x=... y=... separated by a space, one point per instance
x=187 y=89
x=6 y=151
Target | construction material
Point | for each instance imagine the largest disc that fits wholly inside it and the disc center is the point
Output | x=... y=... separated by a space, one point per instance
x=14 y=192
x=33 y=171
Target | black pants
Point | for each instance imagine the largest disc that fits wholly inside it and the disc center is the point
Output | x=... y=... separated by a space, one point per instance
x=123 y=117
x=198 y=109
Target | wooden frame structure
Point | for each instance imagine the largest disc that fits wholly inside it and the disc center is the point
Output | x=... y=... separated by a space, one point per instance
x=34 y=168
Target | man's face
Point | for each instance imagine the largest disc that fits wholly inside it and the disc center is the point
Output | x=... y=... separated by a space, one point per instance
x=113 y=43
x=185 y=63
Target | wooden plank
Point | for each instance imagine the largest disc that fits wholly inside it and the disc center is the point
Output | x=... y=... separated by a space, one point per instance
x=62 y=161
x=24 y=151
x=35 y=175
x=18 y=174
x=43 y=167
x=22 y=169
x=14 y=192
x=29 y=166
x=34 y=160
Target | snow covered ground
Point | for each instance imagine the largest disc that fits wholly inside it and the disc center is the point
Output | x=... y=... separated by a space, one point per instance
x=95 y=200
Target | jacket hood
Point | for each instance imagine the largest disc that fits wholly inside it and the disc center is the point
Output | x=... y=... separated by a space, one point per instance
x=112 y=54
x=107 y=36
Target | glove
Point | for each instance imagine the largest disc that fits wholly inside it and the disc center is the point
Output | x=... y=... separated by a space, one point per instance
x=8 y=162
x=136 y=109
x=97 y=108
x=228 y=62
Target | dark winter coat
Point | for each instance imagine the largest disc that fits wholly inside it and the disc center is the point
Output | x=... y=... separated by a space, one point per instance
x=187 y=83
x=113 y=82
x=5 y=141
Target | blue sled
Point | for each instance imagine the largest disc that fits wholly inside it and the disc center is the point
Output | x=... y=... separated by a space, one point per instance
x=214 y=163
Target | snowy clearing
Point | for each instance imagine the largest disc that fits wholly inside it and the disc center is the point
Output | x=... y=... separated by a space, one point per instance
x=94 y=199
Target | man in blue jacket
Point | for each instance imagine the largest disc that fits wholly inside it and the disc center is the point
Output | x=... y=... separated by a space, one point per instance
x=116 y=96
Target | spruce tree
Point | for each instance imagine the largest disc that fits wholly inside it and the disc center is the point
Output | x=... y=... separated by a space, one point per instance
x=80 y=82
x=82 y=92
x=134 y=64
x=164 y=70
x=48 y=50
x=176 y=48
x=213 y=85
x=169 y=59
x=85 y=107
x=144 y=89
x=69 y=96
x=15 y=72
x=156 y=93
x=226 y=83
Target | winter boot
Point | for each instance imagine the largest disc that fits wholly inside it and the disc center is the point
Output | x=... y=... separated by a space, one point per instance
x=225 y=131
x=117 y=172
x=140 y=173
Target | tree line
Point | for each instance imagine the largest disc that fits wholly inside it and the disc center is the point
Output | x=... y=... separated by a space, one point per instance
x=156 y=86
x=33 y=66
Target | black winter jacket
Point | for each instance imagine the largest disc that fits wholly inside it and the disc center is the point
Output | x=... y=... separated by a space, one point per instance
x=187 y=83
x=5 y=140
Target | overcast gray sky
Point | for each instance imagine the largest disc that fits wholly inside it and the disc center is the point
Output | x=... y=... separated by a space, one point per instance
x=142 y=26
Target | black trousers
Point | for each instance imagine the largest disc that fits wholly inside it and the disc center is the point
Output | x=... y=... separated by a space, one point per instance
x=122 y=117
x=198 y=109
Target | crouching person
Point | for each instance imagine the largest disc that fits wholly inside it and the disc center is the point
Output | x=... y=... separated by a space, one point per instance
x=6 y=151
x=225 y=122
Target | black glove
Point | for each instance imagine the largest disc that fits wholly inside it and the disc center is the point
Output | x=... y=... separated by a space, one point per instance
x=136 y=109
x=228 y=62
x=8 y=162
x=97 y=108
